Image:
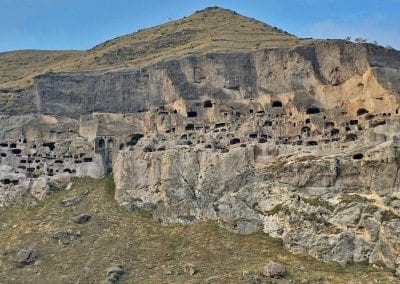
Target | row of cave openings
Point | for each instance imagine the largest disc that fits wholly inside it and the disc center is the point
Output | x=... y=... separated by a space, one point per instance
x=104 y=144
x=275 y=104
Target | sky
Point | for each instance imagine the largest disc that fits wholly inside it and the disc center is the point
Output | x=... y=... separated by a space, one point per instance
x=82 y=24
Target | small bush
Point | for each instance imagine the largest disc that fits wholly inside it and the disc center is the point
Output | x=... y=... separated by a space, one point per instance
x=316 y=202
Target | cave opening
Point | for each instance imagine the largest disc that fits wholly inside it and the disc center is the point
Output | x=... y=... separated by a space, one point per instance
x=361 y=111
x=253 y=135
x=329 y=124
x=50 y=145
x=358 y=156
x=134 y=139
x=234 y=141
x=6 y=181
x=313 y=110
x=277 y=104
x=268 y=123
x=189 y=126
x=351 y=137
x=191 y=114
x=312 y=143
x=334 y=132
x=207 y=104
x=16 y=151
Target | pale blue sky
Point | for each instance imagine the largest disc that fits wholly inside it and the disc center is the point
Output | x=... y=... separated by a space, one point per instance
x=81 y=24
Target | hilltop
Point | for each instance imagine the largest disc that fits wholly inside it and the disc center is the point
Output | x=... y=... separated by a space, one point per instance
x=210 y=30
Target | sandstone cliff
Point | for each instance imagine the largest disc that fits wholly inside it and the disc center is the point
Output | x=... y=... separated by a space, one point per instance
x=298 y=137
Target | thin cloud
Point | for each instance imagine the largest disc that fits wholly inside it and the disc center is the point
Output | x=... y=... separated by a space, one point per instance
x=369 y=31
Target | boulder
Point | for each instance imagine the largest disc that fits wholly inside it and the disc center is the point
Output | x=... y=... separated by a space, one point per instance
x=274 y=270
x=26 y=256
x=189 y=269
x=114 y=273
x=81 y=218
x=39 y=188
x=71 y=201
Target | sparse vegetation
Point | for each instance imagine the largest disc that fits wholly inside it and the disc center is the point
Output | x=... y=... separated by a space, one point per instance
x=350 y=198
x=371 y=209
x=279 y=208
x=360 y=40
x=148 y=251
x=388 y=215
x=316 y=202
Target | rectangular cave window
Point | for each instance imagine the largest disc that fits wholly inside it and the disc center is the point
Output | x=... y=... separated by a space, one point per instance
x=189 y=126
x=268 y=123
x=313 y=110
x=276 y=104
x=312 y=143
x=6 y=181
x=87 y=160
x=16 y=151
x=207 y=104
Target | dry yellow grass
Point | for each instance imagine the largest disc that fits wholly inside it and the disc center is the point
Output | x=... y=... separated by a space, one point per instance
x=148 y=251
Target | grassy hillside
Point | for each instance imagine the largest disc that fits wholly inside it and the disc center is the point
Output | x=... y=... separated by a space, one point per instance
x=148 y=251
x=208 y=30
x=18 y=67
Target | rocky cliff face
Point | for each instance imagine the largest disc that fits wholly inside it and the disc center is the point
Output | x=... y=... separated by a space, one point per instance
x=309 y=69
x=301 y=141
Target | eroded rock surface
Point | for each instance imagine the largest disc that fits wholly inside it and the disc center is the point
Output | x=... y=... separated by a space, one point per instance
x=301 y=141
